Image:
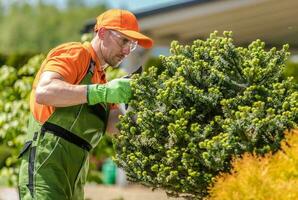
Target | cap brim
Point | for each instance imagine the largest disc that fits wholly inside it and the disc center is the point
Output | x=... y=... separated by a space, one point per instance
x=143 y=40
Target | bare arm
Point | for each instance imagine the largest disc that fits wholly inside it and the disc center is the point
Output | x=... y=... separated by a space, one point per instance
x=113 y=120
x=54 y=91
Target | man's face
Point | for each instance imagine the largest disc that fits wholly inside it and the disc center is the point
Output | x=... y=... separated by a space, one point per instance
x=116 y=47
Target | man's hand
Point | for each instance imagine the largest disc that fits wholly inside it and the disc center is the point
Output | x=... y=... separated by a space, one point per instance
x=115 y=91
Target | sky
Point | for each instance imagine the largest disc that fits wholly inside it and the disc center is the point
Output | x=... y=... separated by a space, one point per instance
x=132 y=5
x=137 y=5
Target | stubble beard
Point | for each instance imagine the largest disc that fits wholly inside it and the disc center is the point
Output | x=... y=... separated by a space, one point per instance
x=114 y=66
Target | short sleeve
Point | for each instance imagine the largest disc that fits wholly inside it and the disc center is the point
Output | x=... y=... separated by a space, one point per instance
x=71 y=64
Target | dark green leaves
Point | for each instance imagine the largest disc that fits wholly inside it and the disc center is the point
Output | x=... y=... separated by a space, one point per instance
x=211 y=101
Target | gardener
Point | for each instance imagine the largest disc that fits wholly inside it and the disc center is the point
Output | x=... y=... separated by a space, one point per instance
x=70 y=103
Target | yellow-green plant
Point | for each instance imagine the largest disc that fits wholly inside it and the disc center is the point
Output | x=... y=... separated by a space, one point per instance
x=273 y=177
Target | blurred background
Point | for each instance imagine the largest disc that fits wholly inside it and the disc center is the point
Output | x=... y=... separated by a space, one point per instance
x=31 y=28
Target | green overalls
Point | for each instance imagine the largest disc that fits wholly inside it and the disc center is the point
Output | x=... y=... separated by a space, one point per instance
x=54 y=160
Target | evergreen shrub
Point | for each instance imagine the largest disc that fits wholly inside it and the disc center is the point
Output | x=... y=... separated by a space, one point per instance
x=209 y=102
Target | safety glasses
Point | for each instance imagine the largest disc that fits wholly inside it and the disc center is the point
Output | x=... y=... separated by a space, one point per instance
x=124 y=42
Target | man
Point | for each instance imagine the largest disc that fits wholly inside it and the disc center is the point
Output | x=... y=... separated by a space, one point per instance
x=70 y=102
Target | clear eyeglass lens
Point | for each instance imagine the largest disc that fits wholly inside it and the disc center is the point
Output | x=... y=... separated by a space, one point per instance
x=132 y=44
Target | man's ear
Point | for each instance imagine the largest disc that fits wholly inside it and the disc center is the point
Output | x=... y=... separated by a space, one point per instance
x=101 y=32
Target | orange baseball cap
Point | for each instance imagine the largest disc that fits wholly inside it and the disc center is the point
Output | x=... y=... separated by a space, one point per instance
x=124 y=22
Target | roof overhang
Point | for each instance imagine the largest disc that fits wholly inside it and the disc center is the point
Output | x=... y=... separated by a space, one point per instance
x=273 y=21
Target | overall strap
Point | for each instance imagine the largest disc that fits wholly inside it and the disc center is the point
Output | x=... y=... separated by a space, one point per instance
x=91 y=67
x=67 y=135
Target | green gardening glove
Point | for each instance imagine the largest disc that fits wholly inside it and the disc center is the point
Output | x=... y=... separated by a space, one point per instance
x=115 y=91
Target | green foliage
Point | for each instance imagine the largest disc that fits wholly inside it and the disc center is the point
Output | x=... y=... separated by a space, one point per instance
x=7 y=174
x=292 y=70
x=86 y=37
x=210 y=102
x=271 y=177
x=40 y=27
x=112 y=73
x=5 y=152
x=15 y=59
x=15 y=87
x=3 y=59
x=154 y=61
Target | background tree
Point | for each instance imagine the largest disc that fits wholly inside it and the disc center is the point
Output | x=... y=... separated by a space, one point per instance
x=39 y=27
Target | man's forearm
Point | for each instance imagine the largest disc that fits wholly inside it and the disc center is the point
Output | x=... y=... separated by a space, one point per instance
x=58 y=93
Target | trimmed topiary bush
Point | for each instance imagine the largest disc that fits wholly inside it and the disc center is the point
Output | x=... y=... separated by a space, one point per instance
x=210 y=101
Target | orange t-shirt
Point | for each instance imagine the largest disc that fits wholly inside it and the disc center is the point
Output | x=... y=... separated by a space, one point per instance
x=71 y=60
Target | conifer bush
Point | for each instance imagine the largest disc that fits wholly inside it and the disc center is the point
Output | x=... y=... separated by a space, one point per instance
x=208 y=102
